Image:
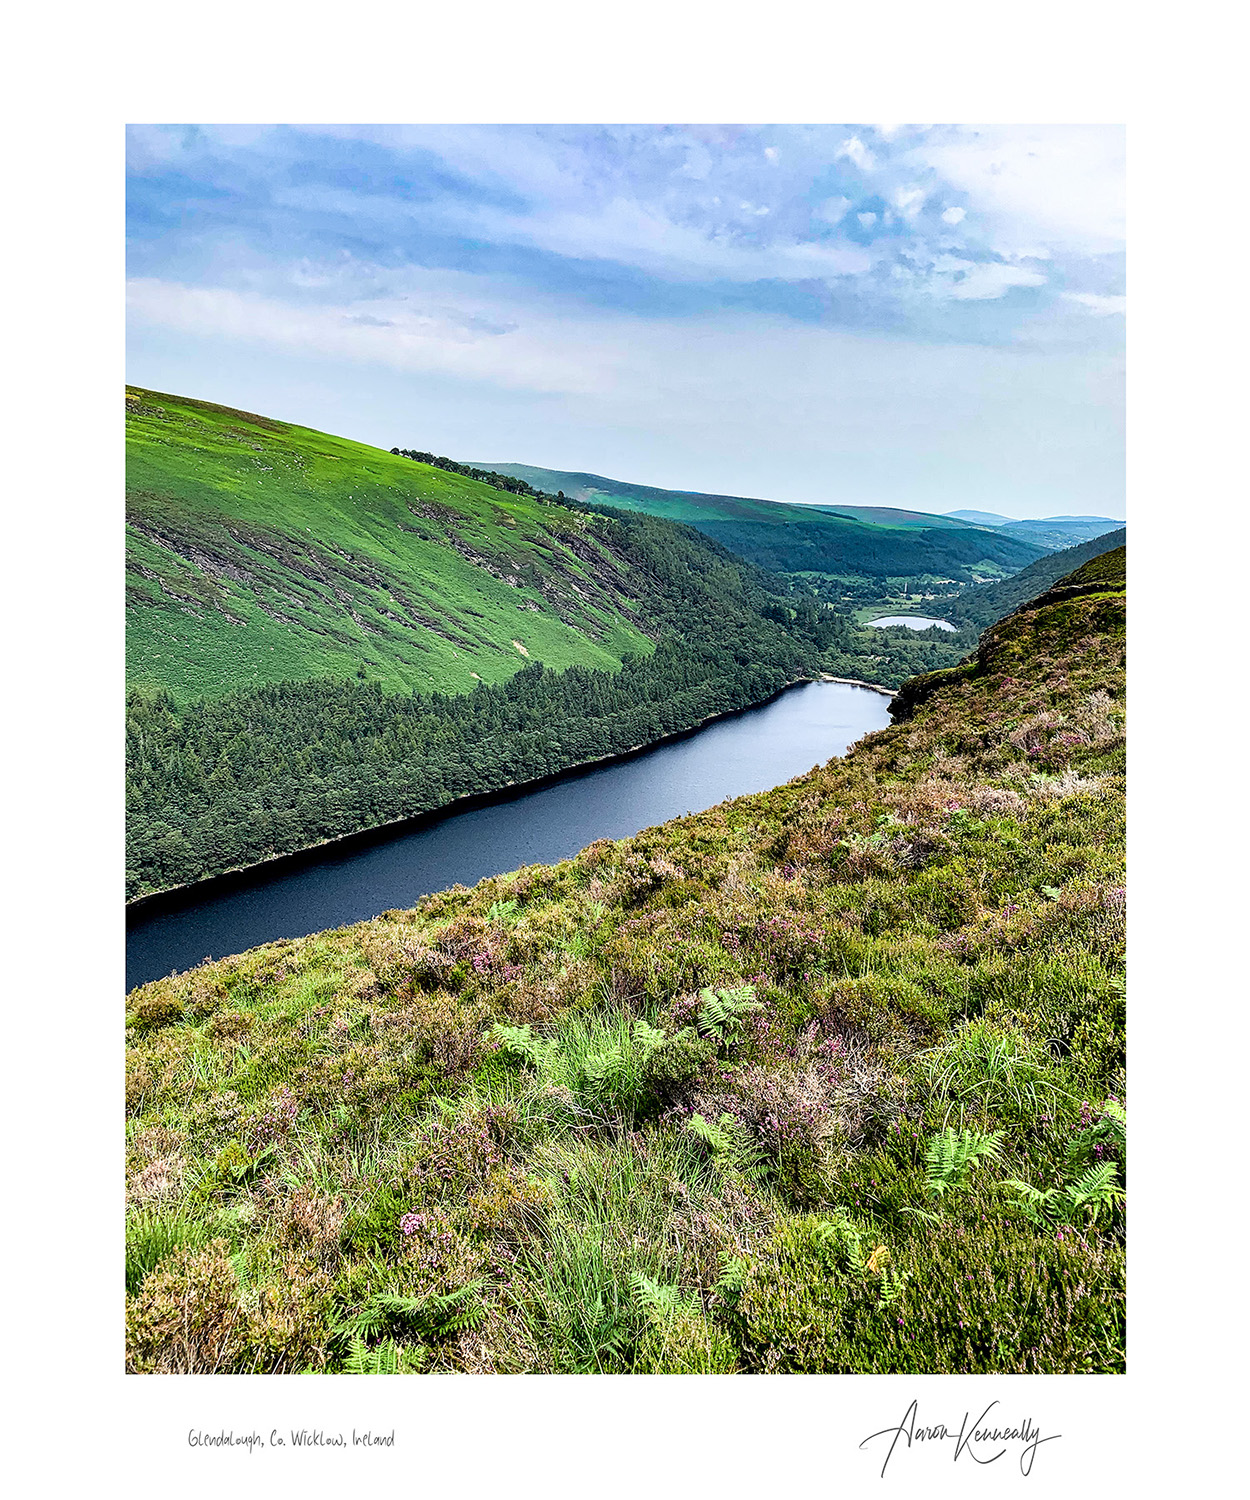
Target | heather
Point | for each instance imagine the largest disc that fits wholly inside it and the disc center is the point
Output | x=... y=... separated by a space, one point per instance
x=828 y=1079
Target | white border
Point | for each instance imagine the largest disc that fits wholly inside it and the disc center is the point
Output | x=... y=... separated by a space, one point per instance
x=84 y=71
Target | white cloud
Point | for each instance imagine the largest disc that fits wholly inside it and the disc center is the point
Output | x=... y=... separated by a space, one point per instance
x=392 y=333
x=772 y=153
x=853 y=149
x=867 y=220
x=970 y=281
x=954 y=215
x=1062 y=184
x=908 y=201
x=1101 y=307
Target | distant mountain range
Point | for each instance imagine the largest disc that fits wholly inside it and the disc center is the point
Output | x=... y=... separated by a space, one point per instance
x=868 y=541
x=1050 y=531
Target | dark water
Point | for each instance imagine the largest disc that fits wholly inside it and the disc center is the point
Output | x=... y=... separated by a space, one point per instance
x=750 y=752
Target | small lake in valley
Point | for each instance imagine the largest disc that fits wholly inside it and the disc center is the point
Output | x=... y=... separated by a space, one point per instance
x=747 y=752
x=913 y=622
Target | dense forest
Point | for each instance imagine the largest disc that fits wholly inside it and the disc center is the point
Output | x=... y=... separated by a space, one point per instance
x=827 y=1079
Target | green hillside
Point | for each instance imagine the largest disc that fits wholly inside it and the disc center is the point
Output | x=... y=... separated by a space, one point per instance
x=324 y=638
x=983 y=606
x=875 y=542
x=262 y=552
x=826 y=1079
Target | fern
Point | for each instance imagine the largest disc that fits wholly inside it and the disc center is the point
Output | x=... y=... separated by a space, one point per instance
x=647 y=1038
x=731 y=1146
x=659 y=1301
x=386 y=1358
x=893 y=1284
x=520 y=1042
x=951 y=1153
x=714 y=1137
x=1110 y=1130
x=732 y=1281
x=723 y=1012
x=501 y=913
x=1093 y=1194
x=601 y=1073
x=425 y=1318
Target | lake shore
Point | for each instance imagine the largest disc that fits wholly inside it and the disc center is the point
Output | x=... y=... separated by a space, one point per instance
x=178 y=897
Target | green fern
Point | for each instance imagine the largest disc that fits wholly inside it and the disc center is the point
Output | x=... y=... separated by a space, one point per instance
x=647 y=1038
x=893 y=1284
x=502 y=913
x=951 y=1153
x=520 y=1042
x=723 y=1012
x=659 y=1301
x=601 y=1074
x=731 y=1146
x=425 y=1318
x=731 y=1282
x=1110 y=1131
x=1093 y=1195
x=386 y=1358
x=714 y=1137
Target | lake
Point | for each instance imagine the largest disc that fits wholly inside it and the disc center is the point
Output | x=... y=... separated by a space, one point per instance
x=747 y=752
x=913 y=622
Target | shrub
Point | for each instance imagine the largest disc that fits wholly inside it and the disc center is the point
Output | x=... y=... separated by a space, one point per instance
x=152 y=1011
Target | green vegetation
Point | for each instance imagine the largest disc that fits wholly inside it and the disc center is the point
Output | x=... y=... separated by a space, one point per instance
x=259 y=552
x=862 y=541
x=326 y=638
x=984 y=606
x=825 y=1079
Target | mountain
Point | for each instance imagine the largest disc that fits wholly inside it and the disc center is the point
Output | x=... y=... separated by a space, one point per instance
x=979 y=517
x=1062 y=531
x=259 y=551
x=324 y=638
x=828 y=1079
x=991 y=601
x=874 y=542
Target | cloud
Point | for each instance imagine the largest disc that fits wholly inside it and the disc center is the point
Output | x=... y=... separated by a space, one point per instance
x=411 y=340
x=854 y=150
x=1061 y=184
x=967 y=282
x=1100 y=306
x=842 y=225
x=908 y=200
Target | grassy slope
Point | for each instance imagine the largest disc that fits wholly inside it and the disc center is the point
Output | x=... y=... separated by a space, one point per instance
x=260 y=552
x=983 y=606
x=878 y=541
x=334 y=1162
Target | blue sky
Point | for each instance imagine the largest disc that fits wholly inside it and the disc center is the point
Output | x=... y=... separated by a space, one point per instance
x=922 y=316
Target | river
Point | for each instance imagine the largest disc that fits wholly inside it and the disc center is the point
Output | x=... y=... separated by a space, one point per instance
x=747 y=752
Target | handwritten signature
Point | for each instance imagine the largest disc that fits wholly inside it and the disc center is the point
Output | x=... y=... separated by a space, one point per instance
x=973 y=1438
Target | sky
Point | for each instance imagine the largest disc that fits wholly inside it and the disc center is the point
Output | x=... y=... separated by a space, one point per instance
x=923 y=316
